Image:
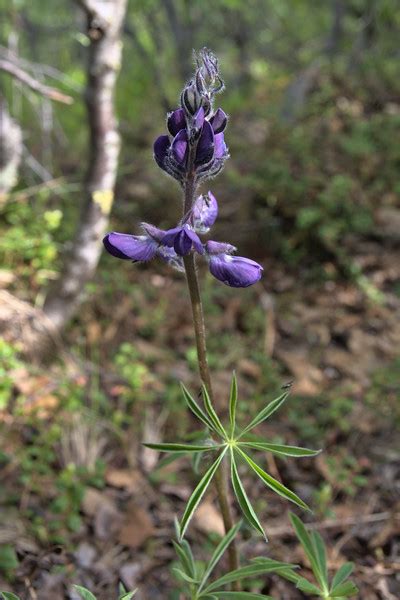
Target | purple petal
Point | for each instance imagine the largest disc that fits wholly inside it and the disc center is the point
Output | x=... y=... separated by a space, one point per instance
x=182 y=243
x=219 y=121
x=130 y=247
x=205 y=145
x=176 y=121
x=170 y=235
x=235 y=271
x=220 y=146
x=198 y=246
x=153 y=232
x=204 y=212
x=161 y=146
x=180 y=147
x=198 y=118
x=219 y=248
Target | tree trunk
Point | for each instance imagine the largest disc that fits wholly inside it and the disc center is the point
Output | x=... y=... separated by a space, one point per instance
x=10 y=151
x=104 y=25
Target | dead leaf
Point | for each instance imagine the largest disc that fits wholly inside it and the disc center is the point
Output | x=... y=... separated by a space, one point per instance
x=208 y=519
x=123 y=478
x=136 y=528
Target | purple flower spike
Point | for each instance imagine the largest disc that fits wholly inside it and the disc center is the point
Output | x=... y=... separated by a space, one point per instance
x=180 y=147
x=204 y=213
x=205 y=146
x=235 y=271
x=176 y=121
x=182 y=239
x=130 y=247
x=219 y=121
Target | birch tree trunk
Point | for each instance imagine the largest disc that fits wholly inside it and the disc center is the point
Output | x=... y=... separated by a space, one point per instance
x=104 y=25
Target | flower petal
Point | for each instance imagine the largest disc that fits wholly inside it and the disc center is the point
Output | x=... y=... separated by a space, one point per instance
x=204 y=212
x=176 y=121
x=161 y=146
x=169 y=256
x=198 y=118
x=170 y=235
x=220 y=146
x=205 y=145
x=180 y=147
x=198 y=246
x=219 y=248
x=153 y=232
x=183 y=243
x=235 y=271
x=219 y=121
x=130 y=247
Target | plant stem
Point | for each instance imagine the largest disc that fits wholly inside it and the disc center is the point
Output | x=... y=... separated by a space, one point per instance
x=220 y=477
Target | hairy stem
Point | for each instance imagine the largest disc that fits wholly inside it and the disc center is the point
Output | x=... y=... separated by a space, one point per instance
x=220 y=477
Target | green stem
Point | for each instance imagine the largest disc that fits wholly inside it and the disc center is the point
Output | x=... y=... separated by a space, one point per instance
x=220 y=478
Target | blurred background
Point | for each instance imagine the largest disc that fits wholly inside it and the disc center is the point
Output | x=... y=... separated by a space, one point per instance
x=92 y=351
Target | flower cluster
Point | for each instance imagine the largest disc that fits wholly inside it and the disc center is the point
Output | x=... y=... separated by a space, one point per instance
x=195 y=151
x=171 y=245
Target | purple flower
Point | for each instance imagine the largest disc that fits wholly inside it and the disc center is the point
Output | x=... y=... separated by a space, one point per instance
x=235 y=271
x=183 y=239
x=204 y=213
x=196 y=130
x=141 y=247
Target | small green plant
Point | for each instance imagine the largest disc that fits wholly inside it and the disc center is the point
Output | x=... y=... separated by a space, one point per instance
x=82 y=591
x=195 y=575
x=338 y=587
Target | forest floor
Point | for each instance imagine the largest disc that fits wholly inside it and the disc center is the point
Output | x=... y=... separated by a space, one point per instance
x=84 y=502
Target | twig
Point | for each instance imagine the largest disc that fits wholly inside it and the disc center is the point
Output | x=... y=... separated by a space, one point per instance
x=34 y=84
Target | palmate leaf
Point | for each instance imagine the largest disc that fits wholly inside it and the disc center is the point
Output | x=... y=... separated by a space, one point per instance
x=212 y=415
x=280 y=449
x=182 y=448
x=218 y=552
x=265 y=413
x=342 y=574
x=232 y=404
x=253 y=570
x=198 y=493
x=243 y=499
x=307 y=587
x=196 y=410
x=272 y=483
x=320 y=553
x=185 y=559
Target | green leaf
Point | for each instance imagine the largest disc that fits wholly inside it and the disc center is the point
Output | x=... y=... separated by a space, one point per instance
x=180 y=447
x=268 y=565
x=182 y=575
x=195 y=408
x=218 y=427
x=272 y=483
x=266 y=412
x=342 y=574
x=243 y=499
x=348 y=588
x=218 y=552
x=241 y=596
x=86 y=595
x=128 y=596
x=280 y=449
x=232 y=404
x=306 y=586
x=198 y=493
x=9 y=596
x=184 y=559
x=306 y=542
x=320 y=553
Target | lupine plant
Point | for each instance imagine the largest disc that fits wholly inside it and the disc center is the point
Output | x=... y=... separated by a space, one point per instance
x=194 y=151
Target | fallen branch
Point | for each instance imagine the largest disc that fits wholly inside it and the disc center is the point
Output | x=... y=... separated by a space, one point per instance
x=35 y=85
